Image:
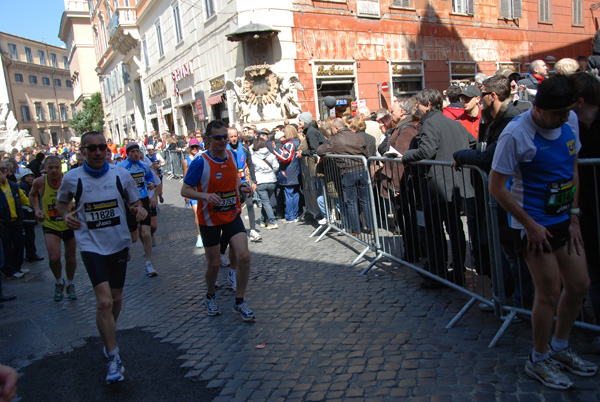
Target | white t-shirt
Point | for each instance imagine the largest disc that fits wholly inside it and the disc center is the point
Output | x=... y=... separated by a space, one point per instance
x=101 y=208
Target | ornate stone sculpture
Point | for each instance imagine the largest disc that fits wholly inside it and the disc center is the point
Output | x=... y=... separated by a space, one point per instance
x=10 y=136
x=262 y=95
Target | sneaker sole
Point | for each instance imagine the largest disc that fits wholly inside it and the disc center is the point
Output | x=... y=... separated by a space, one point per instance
x=72 y=297
x=547 y=384
x=57 y=299
x=574 y=371
x=214 y=314
x=244 y=317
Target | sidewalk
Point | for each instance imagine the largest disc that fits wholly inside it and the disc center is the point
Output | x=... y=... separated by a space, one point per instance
x=329 y=333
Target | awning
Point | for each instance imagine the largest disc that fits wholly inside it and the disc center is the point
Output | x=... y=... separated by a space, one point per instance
x=213 y=100
x=252 y=31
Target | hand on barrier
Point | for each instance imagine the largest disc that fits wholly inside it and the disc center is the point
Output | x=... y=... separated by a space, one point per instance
x=456 y=166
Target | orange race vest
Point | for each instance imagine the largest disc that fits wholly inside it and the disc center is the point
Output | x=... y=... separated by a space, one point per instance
x=221 y=178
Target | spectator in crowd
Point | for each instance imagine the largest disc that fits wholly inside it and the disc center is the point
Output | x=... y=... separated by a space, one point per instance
x=12 y=199
x=266 y=166
x=314 y=138
x=358 y=126
x=354 y=179
x=288 y=176
x=455 y=107
x=112 y=146
x=386 y=125
x=566 y=66
x=29 y=221
x=123 y=149
x=539 y=150
x=400 y=180
x=587 y=110
x=470 y=96
x=593 y=62
x=372 y=127
x=438 y=138
x=36 y=165
x=537 y=74
x=496 y=102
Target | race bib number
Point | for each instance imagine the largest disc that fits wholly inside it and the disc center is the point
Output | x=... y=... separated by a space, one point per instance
x=559 y=197
x=139 y=179
x=102 y=214
x=53 y=213
x=228 y=201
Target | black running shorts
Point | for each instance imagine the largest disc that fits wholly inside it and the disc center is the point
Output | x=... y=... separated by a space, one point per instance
x=106 y=268
x=214 y=235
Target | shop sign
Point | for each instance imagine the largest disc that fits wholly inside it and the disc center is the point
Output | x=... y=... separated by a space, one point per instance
x=183 y=71
x=463 y=68
x=200 y=109
x=157 y=88
x=509 y=65
x=367 y=8
x=406 y=69
x=333 y=70
x=217 y=84
x=152 y=108
x=166 y=103
x=341 y=102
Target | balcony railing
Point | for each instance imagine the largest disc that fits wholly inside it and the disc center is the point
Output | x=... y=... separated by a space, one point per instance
x=122 y=16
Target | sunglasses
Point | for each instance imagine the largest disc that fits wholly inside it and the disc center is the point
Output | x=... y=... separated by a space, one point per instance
x=218 y=137
x=94 y=147
x=195 y=146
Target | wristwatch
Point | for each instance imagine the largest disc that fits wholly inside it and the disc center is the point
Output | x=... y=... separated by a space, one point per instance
x=575 y=211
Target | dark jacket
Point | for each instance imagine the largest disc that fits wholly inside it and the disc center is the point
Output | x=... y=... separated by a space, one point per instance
x=345 y=142
x=28 y=214
x=35 y=166
x=484 y=154
x=289 y=166
x=369 y=141
x=529 y=81
x=439 y=137
x=5 y=216
x=314 y=139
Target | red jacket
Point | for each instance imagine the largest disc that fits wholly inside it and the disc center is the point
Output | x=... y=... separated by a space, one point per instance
x=471 y=123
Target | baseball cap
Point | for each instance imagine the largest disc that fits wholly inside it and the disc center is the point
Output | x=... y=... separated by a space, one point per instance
x=149 y=146
x=194 y=141
x=470 y=91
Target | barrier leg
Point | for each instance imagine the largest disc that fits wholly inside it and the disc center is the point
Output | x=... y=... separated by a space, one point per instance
x=377 y=258
x=323 y=234
x=507 y=321
x=361 y=255
x=462 y=312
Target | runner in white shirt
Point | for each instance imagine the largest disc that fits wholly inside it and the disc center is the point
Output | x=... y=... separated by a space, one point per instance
x=102 y=193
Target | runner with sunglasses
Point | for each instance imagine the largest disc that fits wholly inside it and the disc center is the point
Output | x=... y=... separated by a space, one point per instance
x=212 y=179
x=102 y=193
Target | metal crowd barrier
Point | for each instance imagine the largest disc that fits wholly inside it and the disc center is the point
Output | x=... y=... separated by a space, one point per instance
x=173 y=164
x=445 y=225
x=311 y=186
x=349 y=204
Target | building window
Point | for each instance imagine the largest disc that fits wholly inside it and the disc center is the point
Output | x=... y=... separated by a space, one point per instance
x=145 y=49
x=125 y=73
x=159 y=40
x=210 y=8
x=25 y=113
x=57 y=82
x=52 y=112
x=73 y=110
x=544 y=10
x=65 y=62
x=401 y=3
x=511 y=9
x=63 y=113
x=28 y=55
x=13 y=51
x=39 y=112
x=53 y=60
x=42 y=57
x=18 y=77
x=33 y=80
x=46 y=81
x=68 y=84
x=463 y=7
x=177 y=23
x=577 y=13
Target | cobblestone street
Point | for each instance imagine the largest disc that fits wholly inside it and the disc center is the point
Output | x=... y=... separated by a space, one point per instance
x=329 y=333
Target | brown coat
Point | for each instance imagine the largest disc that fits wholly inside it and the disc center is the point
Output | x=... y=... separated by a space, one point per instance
x=391 y=173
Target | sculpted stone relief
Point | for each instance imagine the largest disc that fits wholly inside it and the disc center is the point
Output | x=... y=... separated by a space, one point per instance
x=261 y=95
x=10 y=136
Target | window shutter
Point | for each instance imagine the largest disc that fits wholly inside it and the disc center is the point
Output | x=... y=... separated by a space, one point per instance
x=505 y=9
x=517 y=9
x=471 y=7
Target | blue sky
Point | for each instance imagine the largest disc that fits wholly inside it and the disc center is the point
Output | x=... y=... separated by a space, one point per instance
x=33 y=19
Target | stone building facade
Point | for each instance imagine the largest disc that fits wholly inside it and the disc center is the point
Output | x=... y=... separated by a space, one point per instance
x=38 y=88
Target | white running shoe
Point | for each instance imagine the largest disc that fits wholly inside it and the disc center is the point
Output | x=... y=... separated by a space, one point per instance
x=150 y=270
x=231 y=279
x=199 y=243
x=254 y=236
x=225 y=260
x=115 y=370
